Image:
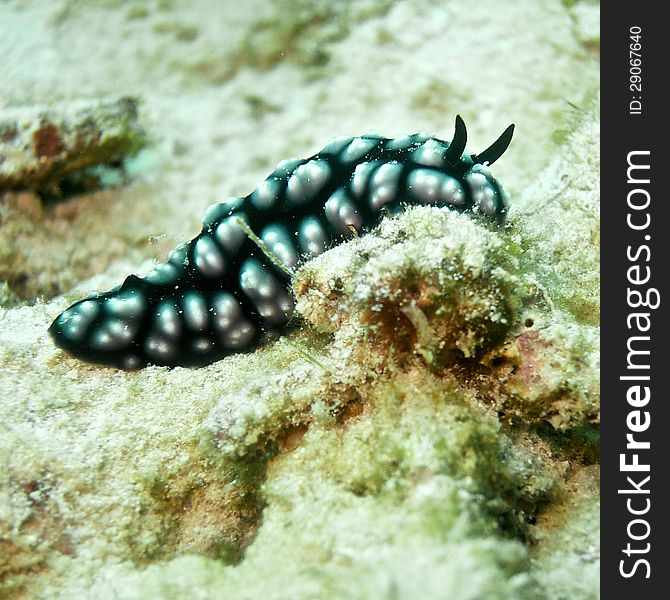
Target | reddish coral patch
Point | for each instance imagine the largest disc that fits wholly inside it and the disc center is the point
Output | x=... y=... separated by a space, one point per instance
x=47 y=142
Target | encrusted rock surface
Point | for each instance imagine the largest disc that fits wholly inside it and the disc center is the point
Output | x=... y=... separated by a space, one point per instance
x=428 y=429
x=41 y=146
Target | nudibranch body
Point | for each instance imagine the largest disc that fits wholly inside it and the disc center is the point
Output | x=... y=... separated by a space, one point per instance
x=228 y=289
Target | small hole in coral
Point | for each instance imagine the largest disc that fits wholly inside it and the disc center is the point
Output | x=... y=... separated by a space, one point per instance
x=529 y=322
x=498 y=361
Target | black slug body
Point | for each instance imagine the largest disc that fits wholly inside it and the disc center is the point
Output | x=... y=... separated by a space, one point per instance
x=221 y=293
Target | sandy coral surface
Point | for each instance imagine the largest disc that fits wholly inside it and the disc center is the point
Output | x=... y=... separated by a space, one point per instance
x=429 y=428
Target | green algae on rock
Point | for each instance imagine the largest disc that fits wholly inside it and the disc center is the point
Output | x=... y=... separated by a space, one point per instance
x=434 y=282
x=567 y=259
x=430 y=288
x=406 y=496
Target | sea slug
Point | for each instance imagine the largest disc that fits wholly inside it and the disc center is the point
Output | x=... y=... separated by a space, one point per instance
x=227 y=290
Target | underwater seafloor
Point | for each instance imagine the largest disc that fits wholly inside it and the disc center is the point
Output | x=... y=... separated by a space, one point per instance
x=430 y=430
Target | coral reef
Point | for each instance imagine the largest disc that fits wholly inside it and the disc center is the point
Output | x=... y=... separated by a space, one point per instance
x=430 y=426
x=424 y=394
